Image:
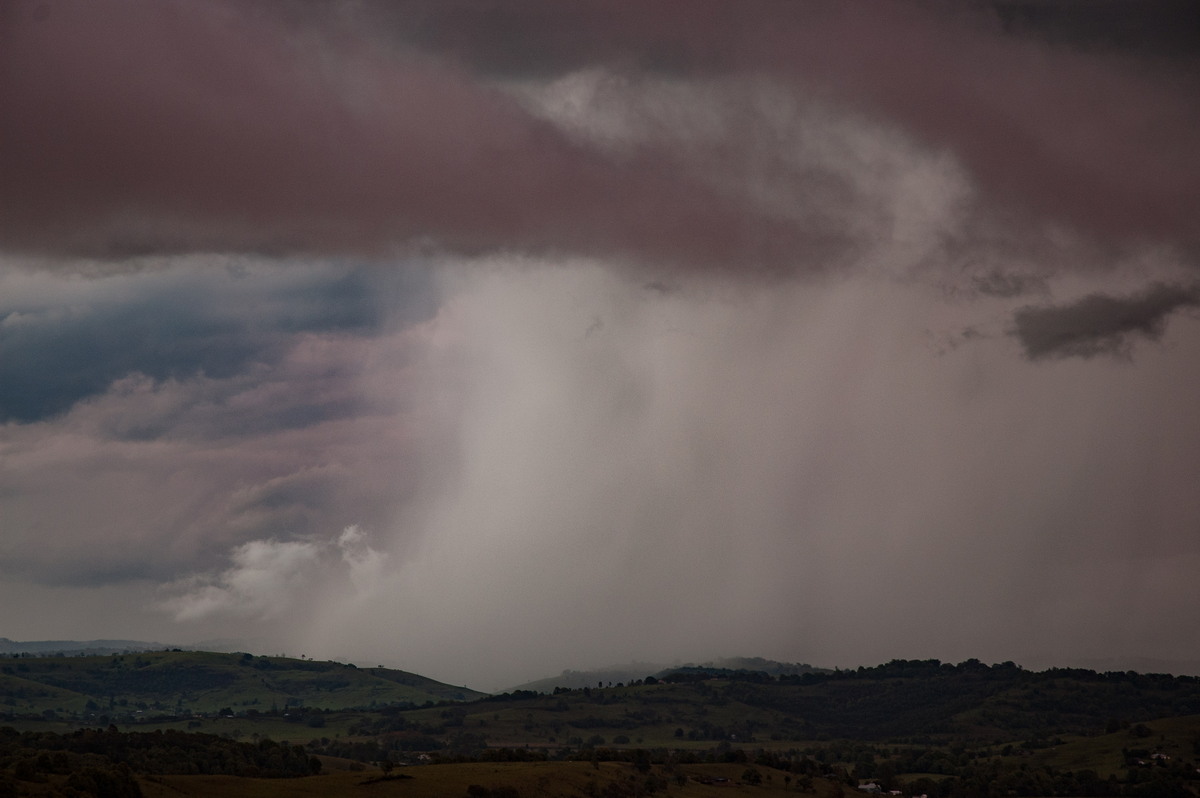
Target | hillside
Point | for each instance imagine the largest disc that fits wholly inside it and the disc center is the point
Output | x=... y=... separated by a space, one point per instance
x=926 y=702
x=187 y=682
x=922 y=728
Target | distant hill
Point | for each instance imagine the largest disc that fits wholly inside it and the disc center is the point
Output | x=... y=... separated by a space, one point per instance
x=75 y=647
x=923 y=701
x=624 y=674
x=577 y=680
x=751 y=664
x=184 y=682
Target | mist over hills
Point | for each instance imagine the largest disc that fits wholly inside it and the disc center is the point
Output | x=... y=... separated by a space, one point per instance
x=587 y=677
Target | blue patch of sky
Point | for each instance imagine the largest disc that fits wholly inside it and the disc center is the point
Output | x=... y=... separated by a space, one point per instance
x=58 y=347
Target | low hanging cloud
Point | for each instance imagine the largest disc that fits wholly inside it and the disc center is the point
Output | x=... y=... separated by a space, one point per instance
x=1100 y=324
x=260 y=583
x=270 y=577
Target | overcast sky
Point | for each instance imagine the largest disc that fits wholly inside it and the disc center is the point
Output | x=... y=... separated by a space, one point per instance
x=489 y=339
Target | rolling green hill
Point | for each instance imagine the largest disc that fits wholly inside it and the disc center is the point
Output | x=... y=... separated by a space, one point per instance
x=918 y=727
x=187 y=682
x=918 y=702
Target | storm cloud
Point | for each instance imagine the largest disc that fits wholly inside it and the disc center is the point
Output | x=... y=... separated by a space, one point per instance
x=549 y=335
x=205 y=126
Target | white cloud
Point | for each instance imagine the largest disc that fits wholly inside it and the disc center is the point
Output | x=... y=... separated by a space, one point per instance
x=269 y=577
x=365 y=563
x=261 y=582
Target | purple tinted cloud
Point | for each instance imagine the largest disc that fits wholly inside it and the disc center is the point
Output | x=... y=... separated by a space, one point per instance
x=211 y=125
x=1092 y=137
x=205 y=126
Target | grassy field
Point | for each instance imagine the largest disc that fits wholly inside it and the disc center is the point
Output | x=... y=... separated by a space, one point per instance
x=278 y=728
x=1173 y=737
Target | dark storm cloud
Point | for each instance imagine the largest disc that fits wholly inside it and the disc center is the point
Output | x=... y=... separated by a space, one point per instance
x=536 y=37
x=1099 y=324
x=47 y=368
x=176 y=323
x=1080 y=112
x=1152 y=28
x=192 y=126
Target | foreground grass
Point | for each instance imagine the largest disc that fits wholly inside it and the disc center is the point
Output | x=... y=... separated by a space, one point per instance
x=548 y=779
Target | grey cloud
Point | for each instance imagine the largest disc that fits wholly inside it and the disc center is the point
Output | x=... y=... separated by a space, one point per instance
x=1000 y=283
x=1100 y=324
x=324 y=436
x=98 y=569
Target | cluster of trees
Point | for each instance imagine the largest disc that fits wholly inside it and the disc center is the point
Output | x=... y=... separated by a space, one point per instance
x=957 y=772
x=113 y=756
x=99 y=781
